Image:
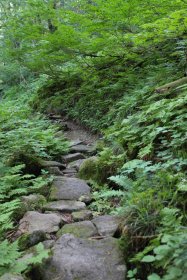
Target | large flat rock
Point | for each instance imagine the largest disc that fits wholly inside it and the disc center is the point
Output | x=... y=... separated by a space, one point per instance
x=69 y=188
x=76 y=164
x=72 y=157
x=83 y=259
x=34 y=221
x=82 y=215
x=33 y=201
x=50 y=163
x=65 y=206
x=81 y=148
x=107 y=225
x=83 y=229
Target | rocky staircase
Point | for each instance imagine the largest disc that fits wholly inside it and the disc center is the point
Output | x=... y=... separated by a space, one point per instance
x=84 y=247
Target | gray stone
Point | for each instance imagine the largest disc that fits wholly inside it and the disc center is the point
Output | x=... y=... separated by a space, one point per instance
x=89 y=169
x=59 y=134
x=65 y=206
x=35 y=221
x=54 y=170
x=82 y=149
x=82 y=215
x=50 y=163
x=76 y=164
x=55 y=117
x=107 y=225
x=9 y=276
x=33 y=201
x=69 y=188
x=83 y=259
x=28 y=240
x=72 y=157
x=83 y=229
x=71 y=175
x=48 y=244
x=70 y=171
x=75 y=142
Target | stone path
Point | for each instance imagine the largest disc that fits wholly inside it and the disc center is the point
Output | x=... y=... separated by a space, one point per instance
x=84 y=247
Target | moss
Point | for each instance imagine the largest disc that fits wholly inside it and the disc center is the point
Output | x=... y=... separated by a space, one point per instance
x=28 y=240
x=33 y=202
x=53 y=193
x=89 y=169
x=78 y=230
x=19 y=212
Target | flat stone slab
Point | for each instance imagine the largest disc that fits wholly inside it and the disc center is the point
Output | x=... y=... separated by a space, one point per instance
x=69 y=170
x=82 y=149
x=34 y=221
x=33 y=201
x=76 y=164
x=107 y=225
x=51 y=163
x=65 y=188
x=72 y=157
x=54 y=170
x=82 y=215
x=83 y=259
x=75 y=143
x=65 y=206
x=83 y=229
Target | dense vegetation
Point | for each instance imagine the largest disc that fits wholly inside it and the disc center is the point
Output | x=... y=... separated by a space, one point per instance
x=110 y=66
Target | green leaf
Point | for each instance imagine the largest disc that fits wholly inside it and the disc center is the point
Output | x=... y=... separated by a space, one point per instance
x=154 y=276
x=148 y=259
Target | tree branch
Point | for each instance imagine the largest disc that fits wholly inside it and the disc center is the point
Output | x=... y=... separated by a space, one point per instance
x=171 y=85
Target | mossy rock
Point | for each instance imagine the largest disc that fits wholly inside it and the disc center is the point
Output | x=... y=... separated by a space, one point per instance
x=33 y=202
x=28 y=240
x=83 y=229
x=89 y=169
x=82 y=215
x=44 y=188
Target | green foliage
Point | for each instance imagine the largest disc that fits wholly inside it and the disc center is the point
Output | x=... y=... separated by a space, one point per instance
x=105 y=200
x=13 y=261
x=25 y=139
x=168 y=251
x=24 y=134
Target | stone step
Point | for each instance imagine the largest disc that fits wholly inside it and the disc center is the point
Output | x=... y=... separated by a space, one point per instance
x=69 y=171
x=65 y=188
x=66 y=206
x=72 y=157
x=84 y=229
x=52 y=163
x=75 y=143
x=34 y=221
x=107 y=225
x=76 y=164
x=82 y=215
x=82 y=149
x=71 y=175
x=84 y=259
x=54 y=171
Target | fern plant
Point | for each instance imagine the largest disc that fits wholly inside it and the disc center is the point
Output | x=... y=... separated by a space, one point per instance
x=13 y=261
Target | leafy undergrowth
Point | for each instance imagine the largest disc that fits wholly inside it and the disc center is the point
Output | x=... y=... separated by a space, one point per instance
x=25 y=139
x=149 y=188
